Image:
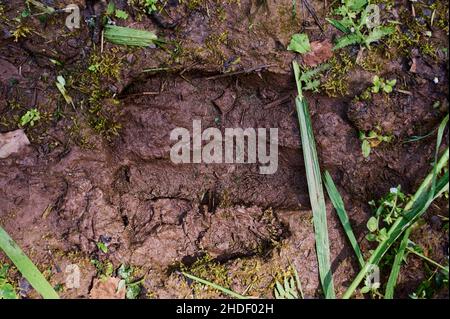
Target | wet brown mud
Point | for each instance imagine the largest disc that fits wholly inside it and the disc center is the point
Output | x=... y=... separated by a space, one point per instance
x=73 y=187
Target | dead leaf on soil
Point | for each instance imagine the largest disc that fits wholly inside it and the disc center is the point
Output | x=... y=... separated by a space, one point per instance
x=321 y=51
x=107 y=289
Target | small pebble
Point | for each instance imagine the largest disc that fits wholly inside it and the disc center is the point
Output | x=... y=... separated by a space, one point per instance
x=436 y=222
x=130 y=58
x=436 y=80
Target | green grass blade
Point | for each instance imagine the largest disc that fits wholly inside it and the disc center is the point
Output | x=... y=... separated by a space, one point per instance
x=299 y=283
x=215 y=286
x=338 y=204
x=419 y=204
x=315 y=188
x=26 y=266
x=395 y=271
x=129 y=36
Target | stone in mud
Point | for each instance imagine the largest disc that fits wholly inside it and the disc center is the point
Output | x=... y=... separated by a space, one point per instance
x=12 y=143
x=8 y=71
x=226 y=101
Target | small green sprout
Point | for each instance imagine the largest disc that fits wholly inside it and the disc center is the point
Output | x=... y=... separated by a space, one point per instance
x=150 y=5
x=112 y=11
x=380 y=84
x=133 y=287
x=291 y=287
x=120 y=14
x=7 y=290
x=357 y=24
x=372 y=140
x=61 y=85
x=30 y=118
x=102 y=247
x=387 y=211
x=94 y=67
x=310 y=79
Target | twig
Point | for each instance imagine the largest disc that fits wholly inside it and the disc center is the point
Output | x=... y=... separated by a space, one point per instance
x=404 y=92
x=139 y=94
x=278 y=102
x=246 y=71
x=312 y=11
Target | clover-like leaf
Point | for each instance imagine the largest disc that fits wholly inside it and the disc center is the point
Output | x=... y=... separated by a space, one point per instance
x=372 y=224
x=300 y=43
x=120 y=14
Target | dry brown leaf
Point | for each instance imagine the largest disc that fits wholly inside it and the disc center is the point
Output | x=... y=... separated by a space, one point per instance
x=107 y=289
x=320 y=52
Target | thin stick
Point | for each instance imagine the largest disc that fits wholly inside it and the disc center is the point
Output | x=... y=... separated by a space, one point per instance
x=246 y=71
x=312 y=11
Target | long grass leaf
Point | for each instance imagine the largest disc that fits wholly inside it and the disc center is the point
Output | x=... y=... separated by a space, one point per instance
x=314 y=179
x=338 y=204
x=395 y=271
x=26 y=266
x=215 y=286
x=431 y=261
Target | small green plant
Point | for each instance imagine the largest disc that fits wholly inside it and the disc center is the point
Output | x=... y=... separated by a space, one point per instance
x=133 y=287
x=61 y=85
x=120 y=14
x=150 y=5
x=309 y=78
x=387 y=211
x=30 y=118
x=432 y=187
x=372 y=140
x=102 y=247
x=291 y=287
x=105 y=269
x=380 y=84
x=7 y=290
x=112 y=11
x=357 y=25
x=299 y=43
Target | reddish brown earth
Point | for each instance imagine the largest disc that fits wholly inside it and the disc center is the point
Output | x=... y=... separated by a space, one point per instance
x=74 y=187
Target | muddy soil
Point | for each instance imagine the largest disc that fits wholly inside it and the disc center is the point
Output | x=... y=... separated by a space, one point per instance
x=76 y=186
